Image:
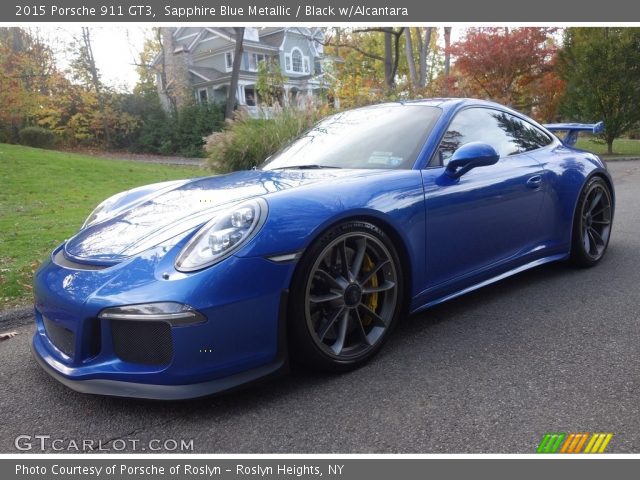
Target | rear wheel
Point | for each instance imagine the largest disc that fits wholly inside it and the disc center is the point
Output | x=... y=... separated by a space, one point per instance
x=345 y=298
x=592 y=223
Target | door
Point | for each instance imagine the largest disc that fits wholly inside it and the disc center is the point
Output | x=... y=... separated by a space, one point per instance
x=490 y=214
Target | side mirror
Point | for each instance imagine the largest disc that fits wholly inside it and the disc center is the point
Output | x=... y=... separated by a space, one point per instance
x=471 y=155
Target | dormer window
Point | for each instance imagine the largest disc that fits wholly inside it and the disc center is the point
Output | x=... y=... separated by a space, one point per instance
x=296 y=62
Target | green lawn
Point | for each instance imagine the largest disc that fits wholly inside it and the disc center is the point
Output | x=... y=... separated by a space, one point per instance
x=621 y=147
x=45 y=197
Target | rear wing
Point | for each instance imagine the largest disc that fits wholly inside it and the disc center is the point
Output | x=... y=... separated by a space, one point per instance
x=573 y=129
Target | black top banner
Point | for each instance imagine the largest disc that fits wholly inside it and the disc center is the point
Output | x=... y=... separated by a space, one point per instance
x=329 y=11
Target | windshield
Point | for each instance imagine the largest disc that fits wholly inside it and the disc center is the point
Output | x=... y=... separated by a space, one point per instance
x=382 y=136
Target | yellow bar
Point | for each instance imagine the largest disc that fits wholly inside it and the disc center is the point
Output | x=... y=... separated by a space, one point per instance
x=596 y=445
x=607 y=439
x=591 y=442
x=569 y=439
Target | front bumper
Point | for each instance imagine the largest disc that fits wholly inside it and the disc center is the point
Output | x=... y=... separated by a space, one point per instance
x=116 y=388
x=242 y=340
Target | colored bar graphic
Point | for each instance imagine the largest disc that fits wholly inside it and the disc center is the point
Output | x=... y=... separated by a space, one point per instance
x=579 y=445
x=550 y=442
x=573 y=442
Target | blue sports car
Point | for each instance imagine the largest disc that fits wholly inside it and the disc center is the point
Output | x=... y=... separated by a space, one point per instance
x=184 y=289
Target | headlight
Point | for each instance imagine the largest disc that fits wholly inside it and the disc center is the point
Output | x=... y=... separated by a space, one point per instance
x=223 y=235
x=101 y=210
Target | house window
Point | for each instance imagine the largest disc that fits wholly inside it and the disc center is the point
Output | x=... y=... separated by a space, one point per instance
x=296 y=60
x=250 y=96
x=228 y=58
x=203 y=95
x=250 y=61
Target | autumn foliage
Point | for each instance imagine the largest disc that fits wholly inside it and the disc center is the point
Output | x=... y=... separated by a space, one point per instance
x=513 y=66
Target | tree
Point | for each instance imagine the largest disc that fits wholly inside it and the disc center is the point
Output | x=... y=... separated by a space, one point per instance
x=366 y=42
x=270 y=82
x=86 y=71
x=27 y=72
x=601 y=67
x=502 y=63
x=235 y=73
x=418 y=76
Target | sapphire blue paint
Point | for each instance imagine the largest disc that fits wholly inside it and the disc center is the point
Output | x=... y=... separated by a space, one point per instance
x=455 y=234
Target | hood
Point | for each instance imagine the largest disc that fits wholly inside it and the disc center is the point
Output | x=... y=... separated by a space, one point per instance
x=171 y=212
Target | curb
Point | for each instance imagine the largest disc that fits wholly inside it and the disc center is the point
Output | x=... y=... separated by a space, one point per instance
x=620 y=159
x=16 y=317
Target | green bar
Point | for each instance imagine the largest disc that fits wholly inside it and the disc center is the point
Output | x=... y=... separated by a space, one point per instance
x=555 y=447
x=543 y=443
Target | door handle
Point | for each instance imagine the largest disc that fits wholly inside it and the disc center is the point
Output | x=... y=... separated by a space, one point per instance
x=535 y=181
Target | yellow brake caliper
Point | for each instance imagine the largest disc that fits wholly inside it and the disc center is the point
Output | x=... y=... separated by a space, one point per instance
x=372 y=300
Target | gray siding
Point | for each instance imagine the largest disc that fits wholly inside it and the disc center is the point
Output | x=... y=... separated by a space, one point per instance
x=216 y=61
x=291 y=41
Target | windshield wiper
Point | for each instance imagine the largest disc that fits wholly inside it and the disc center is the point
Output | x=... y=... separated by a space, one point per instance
x=305 y=167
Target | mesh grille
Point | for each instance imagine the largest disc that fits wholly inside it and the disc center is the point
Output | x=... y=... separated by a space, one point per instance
x=143 y=342
x=61 y=337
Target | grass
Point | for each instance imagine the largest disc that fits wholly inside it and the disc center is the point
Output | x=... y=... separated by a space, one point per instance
x=621 y=147
x=45 y=197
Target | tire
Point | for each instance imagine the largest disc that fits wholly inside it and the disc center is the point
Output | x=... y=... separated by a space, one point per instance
x=592 y=223
x=339 y=317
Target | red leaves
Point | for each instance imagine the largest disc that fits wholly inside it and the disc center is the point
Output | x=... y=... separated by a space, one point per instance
x=502 y=63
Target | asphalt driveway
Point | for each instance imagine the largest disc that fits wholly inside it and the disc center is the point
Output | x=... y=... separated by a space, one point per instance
x=555 y=349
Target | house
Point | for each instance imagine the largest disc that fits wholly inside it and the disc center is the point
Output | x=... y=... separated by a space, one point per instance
x=198 y=62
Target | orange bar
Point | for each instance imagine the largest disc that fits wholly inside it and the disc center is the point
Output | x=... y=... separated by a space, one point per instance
x=567 y=442
x=576 y=439
x=579 y=446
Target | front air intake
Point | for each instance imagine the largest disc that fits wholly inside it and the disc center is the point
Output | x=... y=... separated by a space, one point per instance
x=62 y=338
x=144 y=342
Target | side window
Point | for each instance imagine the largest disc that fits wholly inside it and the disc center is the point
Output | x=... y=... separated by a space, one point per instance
x=507 y=134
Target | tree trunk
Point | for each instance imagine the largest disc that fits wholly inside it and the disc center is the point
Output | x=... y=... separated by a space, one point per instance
x=235 y=73
x=388 y=60
x=408 y=50
x=425 y=47
x=610 y=146
x=164 y=87
x=95 y=79
x=447 y=55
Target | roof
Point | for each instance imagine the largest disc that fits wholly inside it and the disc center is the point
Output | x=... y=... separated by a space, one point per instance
x=273 y=38
x=205 y=73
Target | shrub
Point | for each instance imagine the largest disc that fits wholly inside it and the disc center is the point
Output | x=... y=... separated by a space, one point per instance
x=194 y=123
x=36 y=137
x=247 y=142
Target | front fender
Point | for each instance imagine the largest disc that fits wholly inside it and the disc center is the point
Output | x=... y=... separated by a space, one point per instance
x=394 y=200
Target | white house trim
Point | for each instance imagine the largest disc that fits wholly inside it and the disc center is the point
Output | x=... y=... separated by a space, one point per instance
x=215 y=31
x=188 y=36
x=195 y=40
x=199 y=75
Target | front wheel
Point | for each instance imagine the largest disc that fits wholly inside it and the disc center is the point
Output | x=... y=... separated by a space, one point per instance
x=592 y=223
x=346 y=296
